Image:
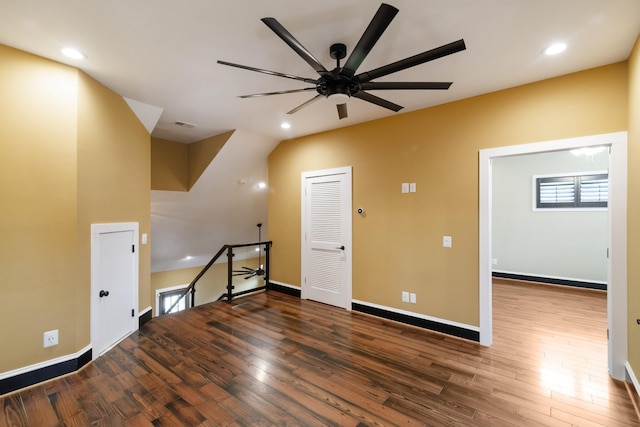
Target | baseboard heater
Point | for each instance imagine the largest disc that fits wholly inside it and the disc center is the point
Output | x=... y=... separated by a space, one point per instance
x=550 y=280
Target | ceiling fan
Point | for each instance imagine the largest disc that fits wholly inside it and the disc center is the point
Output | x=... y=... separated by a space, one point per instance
x=249 y=272
x=342 y=82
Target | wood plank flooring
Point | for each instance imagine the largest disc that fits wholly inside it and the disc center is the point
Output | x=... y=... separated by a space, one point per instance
x=271 y=359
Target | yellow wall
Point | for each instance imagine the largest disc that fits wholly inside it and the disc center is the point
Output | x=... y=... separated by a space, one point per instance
x=397 y=246
x=201 y=153
x=114 y=173
x=633 y=212
x=71 y=153
x=169 y=165
x=177 y=167
x=38 y=106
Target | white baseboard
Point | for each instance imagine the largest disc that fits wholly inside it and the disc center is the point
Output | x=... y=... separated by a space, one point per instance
x=143 y=312
x=286 y=285
x=632 y=377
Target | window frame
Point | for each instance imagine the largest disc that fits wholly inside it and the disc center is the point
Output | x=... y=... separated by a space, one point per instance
x=164 y=292
x=578 y=205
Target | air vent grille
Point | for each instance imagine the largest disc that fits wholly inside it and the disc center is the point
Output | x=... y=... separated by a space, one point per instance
x=184 y=124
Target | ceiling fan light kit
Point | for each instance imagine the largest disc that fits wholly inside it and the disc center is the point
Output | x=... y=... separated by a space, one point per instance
x=342 y=83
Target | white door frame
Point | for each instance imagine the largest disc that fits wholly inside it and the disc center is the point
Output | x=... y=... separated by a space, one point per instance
x=617 y=268
x=96 y=231
x=348 y=241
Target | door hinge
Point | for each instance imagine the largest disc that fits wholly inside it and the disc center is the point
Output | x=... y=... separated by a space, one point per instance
x=133 y=312
x=133 y=248
x=607 y=333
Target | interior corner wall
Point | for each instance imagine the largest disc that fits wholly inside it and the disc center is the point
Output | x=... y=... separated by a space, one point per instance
x=38 y=213
x=202 y=153
x=169 y=165
x=397 y=245
x=633 y=211
x=72 y=153
x=114 y=179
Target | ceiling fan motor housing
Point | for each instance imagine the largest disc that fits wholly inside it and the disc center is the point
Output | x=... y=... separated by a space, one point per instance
x=335 y=85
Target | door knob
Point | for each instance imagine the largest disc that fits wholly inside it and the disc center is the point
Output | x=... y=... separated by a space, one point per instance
x=104 y=294
x=341 y=247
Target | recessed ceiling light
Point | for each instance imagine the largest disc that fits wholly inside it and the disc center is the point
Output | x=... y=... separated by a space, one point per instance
x=555 y=49
x=285 y=125
x=262 y=185
x=72 y=53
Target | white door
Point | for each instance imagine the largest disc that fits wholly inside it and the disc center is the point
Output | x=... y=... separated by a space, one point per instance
x=114 y=285
x=326 y=236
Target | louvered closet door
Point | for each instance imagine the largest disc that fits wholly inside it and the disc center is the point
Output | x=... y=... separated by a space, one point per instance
x=327 y=237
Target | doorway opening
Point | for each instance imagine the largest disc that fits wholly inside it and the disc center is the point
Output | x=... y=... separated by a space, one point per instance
x=617 y=222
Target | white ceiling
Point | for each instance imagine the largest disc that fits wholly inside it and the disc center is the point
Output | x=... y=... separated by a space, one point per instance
x=163 y=53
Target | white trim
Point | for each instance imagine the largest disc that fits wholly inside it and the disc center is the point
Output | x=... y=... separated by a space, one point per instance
x=632 y=376
x=418 y=315
x=617 y=271
x=45 y=364
x=548 y=277
x=144 y=311
x=169 y=289
x=286 y=285
x=96 y=230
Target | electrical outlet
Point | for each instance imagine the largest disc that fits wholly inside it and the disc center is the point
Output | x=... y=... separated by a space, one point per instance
x=51 y=338
x=405 y=296
x=412 y=298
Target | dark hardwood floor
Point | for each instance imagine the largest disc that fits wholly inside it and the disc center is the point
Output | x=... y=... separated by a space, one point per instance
x=272 y=359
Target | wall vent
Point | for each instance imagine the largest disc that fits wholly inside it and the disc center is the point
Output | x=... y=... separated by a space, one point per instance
x=184 y=124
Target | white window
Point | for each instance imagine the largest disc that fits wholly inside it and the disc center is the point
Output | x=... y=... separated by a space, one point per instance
x=166 y=297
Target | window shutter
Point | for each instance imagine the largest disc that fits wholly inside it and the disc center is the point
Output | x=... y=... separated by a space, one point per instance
x=594 y=190
x=578 y=191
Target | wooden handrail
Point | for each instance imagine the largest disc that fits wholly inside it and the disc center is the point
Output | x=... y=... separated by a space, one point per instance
x=192 y=285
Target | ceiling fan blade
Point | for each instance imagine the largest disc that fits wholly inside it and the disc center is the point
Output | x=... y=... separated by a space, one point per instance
x=342 y=111
x=377 y=26
x=378 y=101
x=272 y=73
x=281 y=92
x=294 y=44
x=305 y=104
x=412 y=61
x=405 y=85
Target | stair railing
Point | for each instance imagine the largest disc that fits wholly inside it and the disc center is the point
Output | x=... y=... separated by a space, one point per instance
x=230 y=294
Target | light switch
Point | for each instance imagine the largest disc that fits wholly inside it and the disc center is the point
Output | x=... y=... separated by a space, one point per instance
x=412 y=187
x=412 y=298
x=405 y=296
x=446 y=241
x=144 y=238
x=405 y=187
